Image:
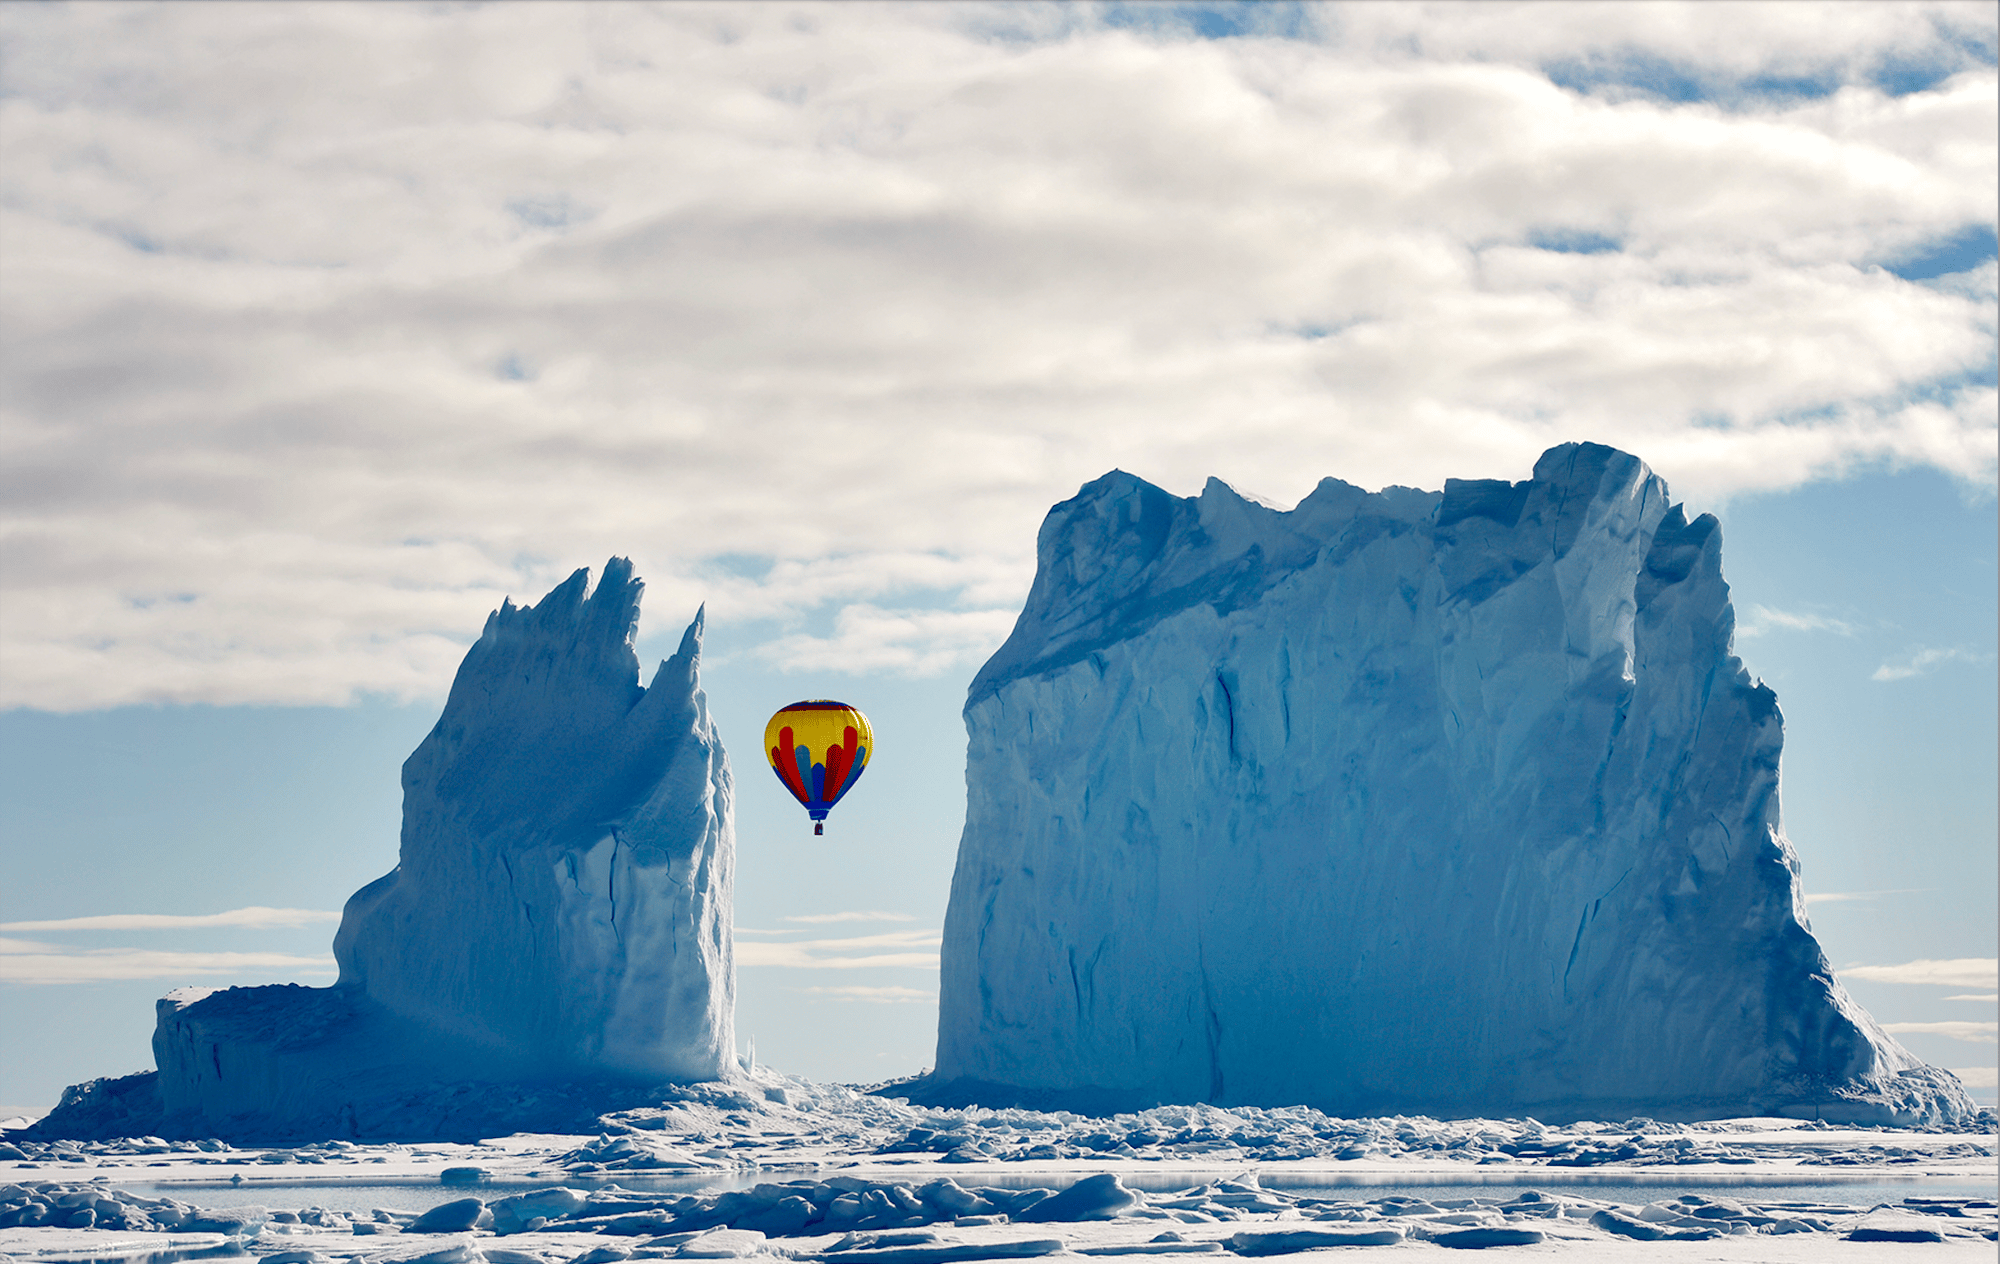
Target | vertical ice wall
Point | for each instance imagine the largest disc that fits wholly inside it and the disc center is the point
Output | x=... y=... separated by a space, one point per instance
x=1406 y=802
x=558 y=924
x=565 y=883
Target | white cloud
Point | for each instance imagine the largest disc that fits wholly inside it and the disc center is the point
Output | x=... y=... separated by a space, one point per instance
x=853 y=916
x=35 y=962
x=98 y=965
x=1762 y=619
x=916 y=948
x=254 y=917
x=1956 y=972
x=1919 y=662
x=1978 y=1077
x=910 y=642
x=876 y=995
x=1988 y=997
x=1974 y=1033
x=321 y=343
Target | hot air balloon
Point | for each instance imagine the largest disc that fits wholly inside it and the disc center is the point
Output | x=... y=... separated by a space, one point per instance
x=818 y=749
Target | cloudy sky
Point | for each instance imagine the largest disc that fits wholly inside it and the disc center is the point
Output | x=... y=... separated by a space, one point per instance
x=327 y=327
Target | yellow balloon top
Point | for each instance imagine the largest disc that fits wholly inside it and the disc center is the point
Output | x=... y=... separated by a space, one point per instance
x=818 y=748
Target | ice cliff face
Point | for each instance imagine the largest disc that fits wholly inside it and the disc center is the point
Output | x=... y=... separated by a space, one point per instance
x=561 y=911
x=566 y=877
x=1409 y=802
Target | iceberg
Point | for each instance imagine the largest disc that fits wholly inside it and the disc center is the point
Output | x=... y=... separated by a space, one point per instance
x=1410 y=802
x=555 y=936
x=564 y=892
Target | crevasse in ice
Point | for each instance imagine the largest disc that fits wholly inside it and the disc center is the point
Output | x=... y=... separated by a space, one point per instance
x=1409 y=802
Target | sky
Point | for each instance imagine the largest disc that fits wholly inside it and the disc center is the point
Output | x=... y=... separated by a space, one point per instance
x=327 y=327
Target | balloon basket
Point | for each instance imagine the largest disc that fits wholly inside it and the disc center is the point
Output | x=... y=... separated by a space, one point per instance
x=819 y=827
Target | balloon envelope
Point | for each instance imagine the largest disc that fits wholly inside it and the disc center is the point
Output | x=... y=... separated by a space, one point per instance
x=818 y=748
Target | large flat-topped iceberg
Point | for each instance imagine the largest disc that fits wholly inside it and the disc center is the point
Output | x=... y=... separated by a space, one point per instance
x=1407 y=802
x=555 y=936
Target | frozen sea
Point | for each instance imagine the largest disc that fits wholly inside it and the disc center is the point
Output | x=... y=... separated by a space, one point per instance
x=781 y=1168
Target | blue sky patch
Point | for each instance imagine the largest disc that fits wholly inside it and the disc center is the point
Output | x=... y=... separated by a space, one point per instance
x=752 y=566
x=1313 y=330
x=1975 y=45
x=1226 y=19
x=1573 y=241
x=1792 y=87
x=1962 y=251
x=1663 y=79
x=1639 y=72
x=1900 y=79
x=1946 y=389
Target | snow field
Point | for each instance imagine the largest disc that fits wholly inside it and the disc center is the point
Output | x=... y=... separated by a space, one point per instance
x=824 y=1172
x=939 y=1221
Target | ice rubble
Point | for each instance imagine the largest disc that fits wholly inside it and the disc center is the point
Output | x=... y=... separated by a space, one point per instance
x=1400 y=802
x=906 y=1220
x=557 y=931
x=857 y=1177
x=761 y=1120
